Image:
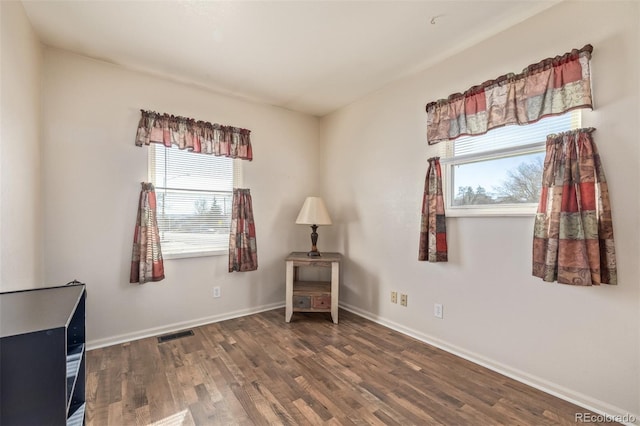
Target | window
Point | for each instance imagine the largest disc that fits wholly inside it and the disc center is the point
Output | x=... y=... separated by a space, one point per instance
x=500 y=172
x=194 y=193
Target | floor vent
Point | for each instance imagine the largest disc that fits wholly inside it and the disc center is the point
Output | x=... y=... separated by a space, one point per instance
x=173 y=336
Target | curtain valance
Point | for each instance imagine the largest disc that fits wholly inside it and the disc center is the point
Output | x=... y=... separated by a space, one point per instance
x=550 y=87
x=197 y=136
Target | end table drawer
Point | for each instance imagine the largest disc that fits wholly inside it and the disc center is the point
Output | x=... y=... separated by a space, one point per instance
x=321 y=302
x=301 y=302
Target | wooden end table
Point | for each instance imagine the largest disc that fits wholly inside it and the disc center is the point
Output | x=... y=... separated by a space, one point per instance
x=312 y=296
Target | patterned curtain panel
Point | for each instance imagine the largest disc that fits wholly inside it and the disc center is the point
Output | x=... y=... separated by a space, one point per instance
x=146 y=258
x=197 y=136
x=552 y=86
x=573 y=234
x=243 y=253
x=433 y=227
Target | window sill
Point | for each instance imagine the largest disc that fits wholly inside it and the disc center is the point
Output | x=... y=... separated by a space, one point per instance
x=503 y=211
x=195 y=254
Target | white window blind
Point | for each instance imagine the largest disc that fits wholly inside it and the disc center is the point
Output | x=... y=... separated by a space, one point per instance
x=194 y=200
x=512 y=137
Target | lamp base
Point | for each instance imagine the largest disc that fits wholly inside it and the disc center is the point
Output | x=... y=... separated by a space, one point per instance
x=314 y=240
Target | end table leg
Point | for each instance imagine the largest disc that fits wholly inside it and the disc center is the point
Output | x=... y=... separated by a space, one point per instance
x=335 y=286
x=288 y=310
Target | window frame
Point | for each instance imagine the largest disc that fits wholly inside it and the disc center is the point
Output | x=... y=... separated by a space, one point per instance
x=448 y=161
x=237 y=182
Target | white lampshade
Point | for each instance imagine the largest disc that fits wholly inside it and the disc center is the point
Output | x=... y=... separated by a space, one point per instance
x=313 y=212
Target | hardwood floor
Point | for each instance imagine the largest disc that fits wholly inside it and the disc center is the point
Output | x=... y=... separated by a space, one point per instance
x=260 y=370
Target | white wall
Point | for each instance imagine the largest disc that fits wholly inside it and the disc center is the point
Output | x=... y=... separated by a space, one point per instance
x=21 y=259
x=578 y=342
x=92 y=174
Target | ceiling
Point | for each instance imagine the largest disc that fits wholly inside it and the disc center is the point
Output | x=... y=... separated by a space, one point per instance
x=309 y=56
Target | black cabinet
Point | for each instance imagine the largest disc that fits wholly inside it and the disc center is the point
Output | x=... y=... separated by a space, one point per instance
x=42 y=356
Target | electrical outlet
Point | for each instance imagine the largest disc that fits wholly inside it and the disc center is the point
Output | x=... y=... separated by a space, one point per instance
x=437 y=310
x=394 y=297
x=216 y=292
x=403 y=299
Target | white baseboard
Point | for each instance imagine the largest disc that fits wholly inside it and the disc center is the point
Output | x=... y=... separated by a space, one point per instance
x=150 y=332
x=577 y=398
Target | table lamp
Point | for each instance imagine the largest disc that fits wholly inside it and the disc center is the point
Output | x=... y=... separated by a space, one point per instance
x=314 y=213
